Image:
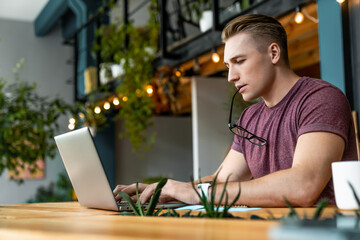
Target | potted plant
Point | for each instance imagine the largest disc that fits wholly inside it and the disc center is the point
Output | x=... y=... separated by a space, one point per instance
x=202 y=10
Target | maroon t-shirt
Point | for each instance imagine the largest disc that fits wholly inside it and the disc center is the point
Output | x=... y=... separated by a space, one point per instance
x=312 y=105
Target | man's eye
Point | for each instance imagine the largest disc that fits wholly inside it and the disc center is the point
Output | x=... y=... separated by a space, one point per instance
x=239 y=61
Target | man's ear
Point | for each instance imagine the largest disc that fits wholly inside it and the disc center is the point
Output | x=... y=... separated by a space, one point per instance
x=274 y=52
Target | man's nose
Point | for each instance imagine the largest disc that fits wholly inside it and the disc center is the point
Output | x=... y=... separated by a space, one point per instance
x=233 y=76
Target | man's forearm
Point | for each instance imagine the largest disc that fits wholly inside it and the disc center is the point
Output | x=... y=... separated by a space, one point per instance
x=204 y=179
x=270 y=190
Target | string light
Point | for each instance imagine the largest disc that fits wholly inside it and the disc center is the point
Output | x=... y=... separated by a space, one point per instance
x=106 y=105
x=178 y=72
x=149 y=90
x=97 y=110
x=81 y=115
x=71 y=126
x=215 y=57
x=124 y=98
x=116 y=101
x=340 y=1
x=299 y=17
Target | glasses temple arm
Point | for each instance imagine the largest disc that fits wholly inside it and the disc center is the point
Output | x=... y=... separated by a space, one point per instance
x=231 y=107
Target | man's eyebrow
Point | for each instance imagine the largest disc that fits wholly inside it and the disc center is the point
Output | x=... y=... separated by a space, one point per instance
x=234 y=57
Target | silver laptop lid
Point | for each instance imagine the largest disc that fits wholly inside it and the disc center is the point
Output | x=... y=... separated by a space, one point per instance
x=85 y=170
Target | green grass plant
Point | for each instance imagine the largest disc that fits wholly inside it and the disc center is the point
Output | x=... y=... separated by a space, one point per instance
x=213 y=209
x=317 y=214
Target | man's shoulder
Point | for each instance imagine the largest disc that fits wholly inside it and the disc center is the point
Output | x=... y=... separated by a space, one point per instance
x=316 y=84
x=321 y=90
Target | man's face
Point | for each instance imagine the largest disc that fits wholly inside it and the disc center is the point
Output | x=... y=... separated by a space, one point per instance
x=250 y=69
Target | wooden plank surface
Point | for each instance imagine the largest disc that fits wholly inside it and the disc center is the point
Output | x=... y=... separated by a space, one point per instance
x=71 y=221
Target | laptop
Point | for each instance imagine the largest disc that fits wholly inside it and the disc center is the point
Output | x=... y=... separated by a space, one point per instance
x=86 y=172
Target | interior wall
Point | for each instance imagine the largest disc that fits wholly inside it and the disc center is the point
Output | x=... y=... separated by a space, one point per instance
x=170 y=156
x=45 y=64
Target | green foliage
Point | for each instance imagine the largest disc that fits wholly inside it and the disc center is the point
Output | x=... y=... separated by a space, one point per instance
x=319 y=209
x=219 y=210
x=87 y=117
x=28 y=123
x=317 y=214
x=61 y=191
x=212 y=210
x=138 y=209
x=357 y=199
x=136 y=60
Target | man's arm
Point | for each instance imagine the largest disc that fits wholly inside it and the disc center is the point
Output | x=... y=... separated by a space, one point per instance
x=234 y=166
x=302 y=183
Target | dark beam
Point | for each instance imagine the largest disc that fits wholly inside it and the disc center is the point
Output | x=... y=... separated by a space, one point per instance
x=215 y=11
x=347 y=53
x=163 y=24
x=126 y=21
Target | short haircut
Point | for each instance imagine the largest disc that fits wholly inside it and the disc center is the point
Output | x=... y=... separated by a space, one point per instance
x=263 y=29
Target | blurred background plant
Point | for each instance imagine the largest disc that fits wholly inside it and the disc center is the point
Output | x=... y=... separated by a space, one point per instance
x=61 y=191
x=28 y=123
x=135 y=58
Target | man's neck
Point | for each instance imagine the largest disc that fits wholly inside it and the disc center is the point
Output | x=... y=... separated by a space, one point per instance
x=284 y=80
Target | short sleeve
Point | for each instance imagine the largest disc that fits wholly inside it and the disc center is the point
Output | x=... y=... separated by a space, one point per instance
x=326 y=110
x=236 y=144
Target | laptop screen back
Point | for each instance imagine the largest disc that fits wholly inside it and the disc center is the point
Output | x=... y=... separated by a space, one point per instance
x=85 y=170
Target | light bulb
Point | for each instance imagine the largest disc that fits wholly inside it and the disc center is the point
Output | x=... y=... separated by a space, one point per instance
x=299 y=17
x=81 y=115
x=116 y=101
x=72 y=120
x=340 y=1
x=178 y=73
x=71 y=126
x=124 y=98
x=215 y=57
x=149 y=89
x=97 y=110
x=106 y=105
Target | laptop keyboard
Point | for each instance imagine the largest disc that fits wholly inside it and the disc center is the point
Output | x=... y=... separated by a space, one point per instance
x=122 y=204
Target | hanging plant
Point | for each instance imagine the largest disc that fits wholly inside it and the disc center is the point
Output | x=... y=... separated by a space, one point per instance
x=136 y=108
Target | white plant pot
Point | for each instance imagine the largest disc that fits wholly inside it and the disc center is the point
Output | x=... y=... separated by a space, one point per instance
x=109 y=71
x=206 y=20
x=105 y=73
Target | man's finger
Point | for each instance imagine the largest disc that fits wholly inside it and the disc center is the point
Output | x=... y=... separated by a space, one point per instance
x=147 y=193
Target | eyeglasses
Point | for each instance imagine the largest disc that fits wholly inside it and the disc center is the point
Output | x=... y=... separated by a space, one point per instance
x=242 y=132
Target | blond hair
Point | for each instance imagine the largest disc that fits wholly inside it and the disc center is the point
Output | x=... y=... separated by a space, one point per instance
x=263 y=29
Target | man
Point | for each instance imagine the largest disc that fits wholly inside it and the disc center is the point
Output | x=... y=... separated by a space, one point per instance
x=284 y=145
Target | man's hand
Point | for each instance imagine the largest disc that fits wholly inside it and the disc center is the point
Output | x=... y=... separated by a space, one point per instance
x=173 y=190
x=129 y=190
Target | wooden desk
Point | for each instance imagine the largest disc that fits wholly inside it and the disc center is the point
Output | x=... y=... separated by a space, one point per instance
x=71 y=221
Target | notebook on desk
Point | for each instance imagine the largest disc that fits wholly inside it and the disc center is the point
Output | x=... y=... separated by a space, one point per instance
x=86 y=172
